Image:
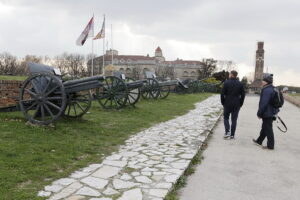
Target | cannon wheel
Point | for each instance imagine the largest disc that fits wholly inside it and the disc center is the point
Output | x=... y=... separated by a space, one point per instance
x=192 y=87
x=151 y=89
x=42 y=99
x=134 y=94
x=164 y=92
x=78 y=104
x=113 y=94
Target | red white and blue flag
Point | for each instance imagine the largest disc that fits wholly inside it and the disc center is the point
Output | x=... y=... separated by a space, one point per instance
x=86 y=33
x=101 y=34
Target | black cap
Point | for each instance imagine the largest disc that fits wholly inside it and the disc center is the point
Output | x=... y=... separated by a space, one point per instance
x=268 y=78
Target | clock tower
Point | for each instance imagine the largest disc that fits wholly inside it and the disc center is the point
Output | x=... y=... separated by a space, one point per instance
x=255 y=86
x=259 y=62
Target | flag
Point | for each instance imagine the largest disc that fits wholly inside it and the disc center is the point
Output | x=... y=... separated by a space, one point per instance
x=101 y=34
x=87 y=32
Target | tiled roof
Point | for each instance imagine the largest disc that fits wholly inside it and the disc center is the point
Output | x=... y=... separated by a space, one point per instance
x=158 y=49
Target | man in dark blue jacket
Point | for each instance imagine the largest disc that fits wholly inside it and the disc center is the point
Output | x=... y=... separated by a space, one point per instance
x=266 y=112
x=232 y=99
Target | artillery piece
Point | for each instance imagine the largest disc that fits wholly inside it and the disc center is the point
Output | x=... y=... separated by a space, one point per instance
x=154 y=88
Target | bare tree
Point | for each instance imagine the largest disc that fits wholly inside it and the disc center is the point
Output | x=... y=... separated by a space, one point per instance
x=165 y=72
x=8 y=64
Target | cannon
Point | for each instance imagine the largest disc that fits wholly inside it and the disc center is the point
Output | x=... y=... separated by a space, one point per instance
x=189 y=86
x=127 y=91
x=155 y=88
x=44 y=96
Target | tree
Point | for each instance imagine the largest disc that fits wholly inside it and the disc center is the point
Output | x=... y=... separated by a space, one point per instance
x=165 y=72
x=244 y=81
x=221 y=76
x=9 y=64
x=209 y=66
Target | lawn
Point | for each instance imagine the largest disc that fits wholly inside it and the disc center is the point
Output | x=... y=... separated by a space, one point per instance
x=32 y=157
x=15 y=78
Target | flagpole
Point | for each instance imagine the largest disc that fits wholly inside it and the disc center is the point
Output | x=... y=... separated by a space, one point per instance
x=92 y=73
x=112 y=49
x=103 y=49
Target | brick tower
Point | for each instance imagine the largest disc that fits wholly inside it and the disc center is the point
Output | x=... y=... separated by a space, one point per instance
x=259 y=67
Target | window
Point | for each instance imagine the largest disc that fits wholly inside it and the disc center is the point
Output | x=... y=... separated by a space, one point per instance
x=128 y=71
x=128 y=60
x=185 y=73
x=193 y=73
x=121 y=69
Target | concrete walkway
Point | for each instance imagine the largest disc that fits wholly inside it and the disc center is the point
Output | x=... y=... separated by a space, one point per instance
x=237 y=169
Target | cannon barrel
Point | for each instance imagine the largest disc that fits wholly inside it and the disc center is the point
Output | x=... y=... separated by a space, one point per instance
x=168 y=83
x=135 y=84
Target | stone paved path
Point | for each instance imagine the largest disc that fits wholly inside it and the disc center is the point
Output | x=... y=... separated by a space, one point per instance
x=238 y=169
x=148 y=166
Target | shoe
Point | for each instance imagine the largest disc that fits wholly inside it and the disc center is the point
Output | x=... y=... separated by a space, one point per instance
x=227 y=135
x=255 y=142
x=232 y=137
x=267 y=148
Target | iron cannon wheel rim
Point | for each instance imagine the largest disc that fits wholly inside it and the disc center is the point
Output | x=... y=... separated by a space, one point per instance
x=42 y=103
x=133 y=94
x=113 y=94
x=78 y=104
x=151 y=89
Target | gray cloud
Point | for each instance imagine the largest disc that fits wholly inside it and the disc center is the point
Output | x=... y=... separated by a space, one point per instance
x=226 y=29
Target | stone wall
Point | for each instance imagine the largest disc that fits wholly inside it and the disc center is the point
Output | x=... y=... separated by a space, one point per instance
x=293 y=100
x=9 y=92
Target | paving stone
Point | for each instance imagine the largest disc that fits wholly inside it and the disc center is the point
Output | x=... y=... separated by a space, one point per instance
x=158 y=192
x=135 y=173
x=163 y=185
x=64 y=181
x=53 y=188
x=135 y=194
x=120 y=184
x=114 y=157
x=187 y=156
x=66 y=191
x=126 y=177
x=171 y=178
x=143 y=179
x=109 y=191
x=115 y=163
x=44 y=194
x=106 y=172
x=100 y=199
x=87 y=191
x=75 y=197
x=95 y=182
x=146 y=173
x=79 y=174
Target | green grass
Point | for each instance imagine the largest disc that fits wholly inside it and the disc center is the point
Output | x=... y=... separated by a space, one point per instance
x=32 y=157
x=15 y=78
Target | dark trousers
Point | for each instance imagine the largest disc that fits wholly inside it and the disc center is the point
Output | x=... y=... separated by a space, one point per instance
x=234 y=112
x=267 y=131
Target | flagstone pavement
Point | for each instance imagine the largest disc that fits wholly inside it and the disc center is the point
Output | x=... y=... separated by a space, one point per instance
x=147 y=166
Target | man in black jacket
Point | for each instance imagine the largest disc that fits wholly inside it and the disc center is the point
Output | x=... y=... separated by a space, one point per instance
x=232 y=99
x=266 y=112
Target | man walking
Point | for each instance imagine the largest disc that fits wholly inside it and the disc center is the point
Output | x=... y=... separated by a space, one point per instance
x=266 y=112
x=232 y=99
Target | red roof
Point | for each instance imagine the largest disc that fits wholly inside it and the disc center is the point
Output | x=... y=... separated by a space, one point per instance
x=158 y=49
x=189 y=62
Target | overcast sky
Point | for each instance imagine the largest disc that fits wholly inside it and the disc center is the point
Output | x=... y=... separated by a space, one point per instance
x=190 y=29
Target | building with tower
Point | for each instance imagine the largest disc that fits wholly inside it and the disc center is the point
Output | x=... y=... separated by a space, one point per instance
x=255 y=86
x=135 y=65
